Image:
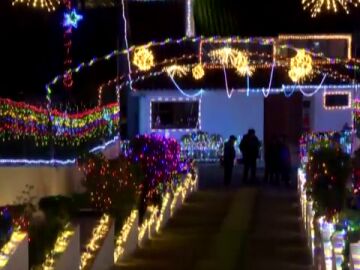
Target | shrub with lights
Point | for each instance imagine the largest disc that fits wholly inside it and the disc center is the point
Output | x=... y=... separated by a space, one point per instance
x=158 y=159
x=328 y=170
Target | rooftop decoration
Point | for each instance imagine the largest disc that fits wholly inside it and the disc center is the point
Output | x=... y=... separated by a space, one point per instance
x=198 y=72
x=176 y=70
x=301 y=66
x=49 y=5
x=318 y=6
x=143 y=59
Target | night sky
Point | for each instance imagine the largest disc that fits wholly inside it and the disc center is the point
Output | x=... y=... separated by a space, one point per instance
x=32 y=40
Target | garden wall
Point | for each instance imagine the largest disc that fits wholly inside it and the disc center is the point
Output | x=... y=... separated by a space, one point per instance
x=46 y=180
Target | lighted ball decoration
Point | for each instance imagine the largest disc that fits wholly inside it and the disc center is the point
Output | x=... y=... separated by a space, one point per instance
x=318 y=6
x=301 y=66
x=198 y=72
x=143 y=59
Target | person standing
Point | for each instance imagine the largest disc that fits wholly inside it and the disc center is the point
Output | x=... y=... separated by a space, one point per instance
x=249 y=147
x=229 y=156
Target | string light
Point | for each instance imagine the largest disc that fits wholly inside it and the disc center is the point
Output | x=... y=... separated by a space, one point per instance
x=165 y=203
x=49 y=5
x=337 y=93
x=147 y=223
x=241 y=64
x=9 y=248
x=317 y=6
x=143 y=58
x=60 y=246
x=300 y=66
x=98 y=234
x=198 y=72
x=124 y=235
x=176 y=70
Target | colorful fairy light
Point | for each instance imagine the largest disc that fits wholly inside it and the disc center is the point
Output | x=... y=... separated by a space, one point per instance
x=143 y=58
x=347 y=94
x=300 y=66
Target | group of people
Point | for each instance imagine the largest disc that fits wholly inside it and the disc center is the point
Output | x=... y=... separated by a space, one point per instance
x=277 y=158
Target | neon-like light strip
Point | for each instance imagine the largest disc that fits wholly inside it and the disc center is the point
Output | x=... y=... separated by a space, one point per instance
x=175 y=99
x=267 y=92
x=126 y=42
x=229 y=94
x=103 y=147
x=199 y=93
x=316 y=90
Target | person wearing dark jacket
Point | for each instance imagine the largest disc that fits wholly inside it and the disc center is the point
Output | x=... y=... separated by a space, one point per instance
x=229 y=156
x=249 y=147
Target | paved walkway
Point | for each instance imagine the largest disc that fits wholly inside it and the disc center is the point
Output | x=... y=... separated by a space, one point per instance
x=275 y=241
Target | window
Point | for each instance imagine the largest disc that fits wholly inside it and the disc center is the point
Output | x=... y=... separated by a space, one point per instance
x=175 y=115
x=337 y=100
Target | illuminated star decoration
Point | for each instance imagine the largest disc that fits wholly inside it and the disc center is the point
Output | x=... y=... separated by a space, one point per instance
x=317 y=6
x=301 y=66
x=71 y=19
x=176 y=70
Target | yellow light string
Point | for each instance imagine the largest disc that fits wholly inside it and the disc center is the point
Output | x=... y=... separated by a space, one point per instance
x=9 y=248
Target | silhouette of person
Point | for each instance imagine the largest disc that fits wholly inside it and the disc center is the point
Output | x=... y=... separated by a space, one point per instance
x=272 y=161
x=229 y=156
x=249 y=148
x=285 y=161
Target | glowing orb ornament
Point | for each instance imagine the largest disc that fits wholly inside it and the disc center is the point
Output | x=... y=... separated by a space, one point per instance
x=198 y=72
x=176 y=70
x=143 y=59
x=317 y=6
x=301 y=66
x=49 y=5
x=71 y=19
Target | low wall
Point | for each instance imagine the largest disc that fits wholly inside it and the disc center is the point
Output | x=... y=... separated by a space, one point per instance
x=70 y=259
x=45 y=180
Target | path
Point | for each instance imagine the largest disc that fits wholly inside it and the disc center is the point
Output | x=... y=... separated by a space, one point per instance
x=276 y=239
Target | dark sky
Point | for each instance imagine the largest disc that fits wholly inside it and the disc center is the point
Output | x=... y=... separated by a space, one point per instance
x=32 y=40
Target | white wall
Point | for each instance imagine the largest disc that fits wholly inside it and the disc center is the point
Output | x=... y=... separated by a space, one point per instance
x=219 y=114
x=47 y=181
x=327 y=120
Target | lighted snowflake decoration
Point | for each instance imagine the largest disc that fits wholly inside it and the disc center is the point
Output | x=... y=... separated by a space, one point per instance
x=242 y=65
x=143 y=59
x=224 y=55
x=176 y=70
x=317 y=6
x=49 y=5
x=198 y=72
x=301 y=66
x=71 y=19
x=234 y=58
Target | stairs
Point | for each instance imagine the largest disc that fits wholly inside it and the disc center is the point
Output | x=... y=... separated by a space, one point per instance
x=187 y=237
x=277 y=240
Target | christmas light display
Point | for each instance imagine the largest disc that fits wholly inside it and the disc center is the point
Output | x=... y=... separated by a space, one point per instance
x=317 y=6
x=49 y=5
x=176 y=71
x=9 y=248
x=124 y=234
x=347 y=94
x=98 y=234
x=143 y=59
x=71 y=19
x=20 y=120
x=60 y=246
x=300 y=66
x=198 y=72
